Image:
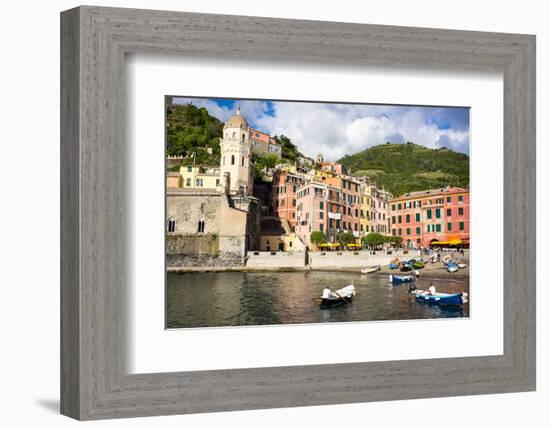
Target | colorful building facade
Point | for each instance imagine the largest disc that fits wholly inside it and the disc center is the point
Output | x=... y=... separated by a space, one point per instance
x=312 y=210
x=380 y=210
x=422 y=218
x=263 y=143
x=284 y=188
x=200 y=177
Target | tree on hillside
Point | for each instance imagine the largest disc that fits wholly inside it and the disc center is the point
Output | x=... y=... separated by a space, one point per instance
x=288 y=149
x=261 y=162
x=317 y=237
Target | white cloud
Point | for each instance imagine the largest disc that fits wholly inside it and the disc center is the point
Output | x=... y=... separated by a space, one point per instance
x=339 y=129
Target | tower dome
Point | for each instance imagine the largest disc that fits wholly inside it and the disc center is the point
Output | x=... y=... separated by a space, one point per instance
x=236 y=121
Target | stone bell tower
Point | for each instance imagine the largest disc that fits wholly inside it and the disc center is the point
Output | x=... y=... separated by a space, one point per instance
x=236 y=154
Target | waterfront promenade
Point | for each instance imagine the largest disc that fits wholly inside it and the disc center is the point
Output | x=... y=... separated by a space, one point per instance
x=347 y=261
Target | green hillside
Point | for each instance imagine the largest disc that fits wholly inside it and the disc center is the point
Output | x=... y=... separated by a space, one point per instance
x=401 y=168
x=193 y=130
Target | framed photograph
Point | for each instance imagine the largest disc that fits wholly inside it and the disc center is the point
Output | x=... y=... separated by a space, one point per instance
x=261 y=213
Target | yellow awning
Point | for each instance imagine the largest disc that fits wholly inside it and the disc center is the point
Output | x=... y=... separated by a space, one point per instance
x=449 y=242
x=353 y=244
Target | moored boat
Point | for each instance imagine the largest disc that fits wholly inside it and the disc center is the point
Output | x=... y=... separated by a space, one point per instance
x=451 y=267
x=441 y=298
x=399 y=279
x=372 y=269
x=405 y=266
x=462 y=265
x=418 y=265
x=393 y=266
x=335 y=298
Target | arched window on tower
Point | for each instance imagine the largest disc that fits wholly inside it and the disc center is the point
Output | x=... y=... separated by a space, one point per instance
x=234 y=135
x=200 y=227
x=242 y=161
x=243 y=137
x=232 y=159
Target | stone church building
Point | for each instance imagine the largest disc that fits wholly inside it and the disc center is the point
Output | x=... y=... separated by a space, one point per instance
x=216 y=227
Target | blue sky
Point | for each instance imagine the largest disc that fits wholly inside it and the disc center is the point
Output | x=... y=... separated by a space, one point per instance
x=339 y=129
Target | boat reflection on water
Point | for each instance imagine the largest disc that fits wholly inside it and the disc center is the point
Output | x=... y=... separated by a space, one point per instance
x=239 y=299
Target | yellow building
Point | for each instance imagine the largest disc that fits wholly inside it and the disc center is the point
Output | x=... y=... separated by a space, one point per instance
x=200 y=177
x=366 y=204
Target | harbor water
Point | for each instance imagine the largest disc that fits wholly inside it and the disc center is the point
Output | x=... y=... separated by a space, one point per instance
x=244 y=298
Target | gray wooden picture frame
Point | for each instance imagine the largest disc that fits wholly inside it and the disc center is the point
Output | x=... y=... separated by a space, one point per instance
x=94 y=381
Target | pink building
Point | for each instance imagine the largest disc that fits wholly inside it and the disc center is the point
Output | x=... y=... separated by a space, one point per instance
x=312 y=210
x=438 y=215
x=345 y=198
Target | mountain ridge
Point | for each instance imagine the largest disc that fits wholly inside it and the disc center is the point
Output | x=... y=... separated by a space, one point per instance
x=402 y=168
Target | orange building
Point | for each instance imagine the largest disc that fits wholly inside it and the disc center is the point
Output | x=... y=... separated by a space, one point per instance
x=284 y=188
x=422 y=218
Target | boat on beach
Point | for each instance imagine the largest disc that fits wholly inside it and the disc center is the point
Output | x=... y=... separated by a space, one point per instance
x=441 y=298
x=451 y=267
x=399 y=279
x=335 y=298
x=417 y=265
x=372 y=269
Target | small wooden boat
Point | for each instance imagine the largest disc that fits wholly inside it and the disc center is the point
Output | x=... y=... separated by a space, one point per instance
x=441 y=298
x=451 y=267
x=335 y=298
x=397 y=280
x=372 y=269
x=418 y=265
x=462 y=265
x=448 y=259
x=405 y=266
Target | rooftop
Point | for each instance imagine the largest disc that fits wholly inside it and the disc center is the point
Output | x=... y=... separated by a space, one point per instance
x=432 y=192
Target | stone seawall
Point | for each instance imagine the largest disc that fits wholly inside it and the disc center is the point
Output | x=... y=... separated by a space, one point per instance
x=345 y=260
x=200 y=251
x=276 y=260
